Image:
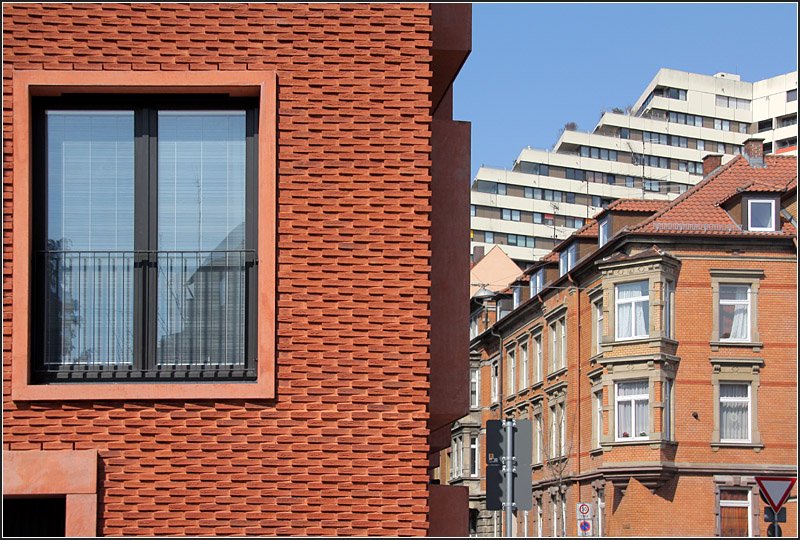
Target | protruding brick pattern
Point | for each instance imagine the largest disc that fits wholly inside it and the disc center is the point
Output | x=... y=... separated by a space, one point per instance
x=342 y=450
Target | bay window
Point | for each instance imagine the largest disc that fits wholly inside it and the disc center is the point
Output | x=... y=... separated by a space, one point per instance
x=632 y=310
x=632 y=410
x=144 y=238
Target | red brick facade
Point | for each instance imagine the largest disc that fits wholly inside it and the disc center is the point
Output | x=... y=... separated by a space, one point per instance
x=656 y=485
x=343 y=447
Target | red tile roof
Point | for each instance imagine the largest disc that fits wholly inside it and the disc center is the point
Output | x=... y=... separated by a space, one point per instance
x=698 y=211
x=636 y=205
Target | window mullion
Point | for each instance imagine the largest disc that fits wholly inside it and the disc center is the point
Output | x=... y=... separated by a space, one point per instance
x=151 y=293
x=141 y=236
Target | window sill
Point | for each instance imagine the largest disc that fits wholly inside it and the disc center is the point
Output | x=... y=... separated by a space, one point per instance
x=524 y=391
x=537 y=385
x=556 y=373
x=755 y=345
x=756 y=447
x=640 y=442
x=596 y=451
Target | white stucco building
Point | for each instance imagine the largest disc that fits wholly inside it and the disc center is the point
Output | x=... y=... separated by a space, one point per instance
x=652 y=151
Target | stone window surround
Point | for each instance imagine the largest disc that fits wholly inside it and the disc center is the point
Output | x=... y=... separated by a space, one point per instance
x=537 y=409
x=656 y=370
x=656 y=271
x=737 y=370
x=597 y=386
x=556 y=316
x=596 y=295
x=751 y=277
x=557 y=395
x=72 y=473
x=742 y=483
x=28 y=83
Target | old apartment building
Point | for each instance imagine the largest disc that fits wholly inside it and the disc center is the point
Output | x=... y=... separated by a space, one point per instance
x=655 y=352
x=230 y=268
x=651 y=150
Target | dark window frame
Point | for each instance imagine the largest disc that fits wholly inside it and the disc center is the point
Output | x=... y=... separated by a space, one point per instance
x=145 y=108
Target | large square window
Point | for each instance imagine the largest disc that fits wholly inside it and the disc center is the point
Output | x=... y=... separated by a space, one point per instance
x=633 y=310
x=144 y=238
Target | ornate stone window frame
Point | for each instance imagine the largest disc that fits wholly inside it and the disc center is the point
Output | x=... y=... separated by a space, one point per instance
x=656 y=271
x=596 y=295
x=737 y=370
x=656 y=370
x=750 y=277
x=596 y=379
x=557 y=396
x=537 y=409
x=556 y=318
x=741 y=483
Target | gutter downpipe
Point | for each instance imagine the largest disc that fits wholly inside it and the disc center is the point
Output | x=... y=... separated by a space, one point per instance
x=578 y=389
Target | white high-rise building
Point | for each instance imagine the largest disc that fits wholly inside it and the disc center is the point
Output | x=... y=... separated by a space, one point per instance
x=652 y=151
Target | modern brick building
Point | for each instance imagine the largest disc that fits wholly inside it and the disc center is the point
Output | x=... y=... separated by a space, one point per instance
x=651 y=150
x=231 y=273
x=655 y=352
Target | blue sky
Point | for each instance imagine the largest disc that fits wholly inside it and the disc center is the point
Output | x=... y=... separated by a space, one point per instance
x=534 y=67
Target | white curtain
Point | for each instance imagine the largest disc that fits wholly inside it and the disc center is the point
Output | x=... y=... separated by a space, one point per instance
x=734 y=405
x=624 y=419
x=626 y=309
x=642 y=318
x=642 y=418
x=739 y=326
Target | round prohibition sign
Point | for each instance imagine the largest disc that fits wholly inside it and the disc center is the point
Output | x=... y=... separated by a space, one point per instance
x=584 y=509
x=585 y=526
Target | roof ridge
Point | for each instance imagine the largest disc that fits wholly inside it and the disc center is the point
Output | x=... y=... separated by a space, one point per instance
x=682 y=197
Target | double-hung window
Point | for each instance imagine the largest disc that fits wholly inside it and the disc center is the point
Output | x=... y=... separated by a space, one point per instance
x=512 y=371
x=537 y=279
x=633 y=310
x=523 y=352
x=633 y=410
x=474 y=388
x=144 y=238
x=474 y=456
x=602 y=236
x=734 y=312
x=537 y=343
x=734 y=412
x=495 y=380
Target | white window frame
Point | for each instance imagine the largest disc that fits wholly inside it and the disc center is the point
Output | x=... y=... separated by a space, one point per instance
x=511 y=362
x=598 y=419
x=602 y=232
x=537 y=340
x=540 y=518
x=517 y=296
x=633 y=399
x=566 y=260
x=633 y=301
x=667 y=410
x=523 y=353
x=538 y=438
x=563 y=352
x=598 y=339
x=536 y=282
x=553 y=431
x=739 y=504
x=747 y=302
x=669 y=330
x=475 y=388
x=747 y=400
x=553 y=348
x=474 y=455
x=495 y=373
x=771 y=203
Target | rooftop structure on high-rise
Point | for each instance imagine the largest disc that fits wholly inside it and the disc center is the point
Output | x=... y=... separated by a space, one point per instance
x=654 y=150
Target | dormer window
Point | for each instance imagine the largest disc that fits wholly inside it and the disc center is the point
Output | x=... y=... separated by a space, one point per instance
x=537 y=280
x=602 y=227
x=761 y=215
x=567 y=259
x=517 y=295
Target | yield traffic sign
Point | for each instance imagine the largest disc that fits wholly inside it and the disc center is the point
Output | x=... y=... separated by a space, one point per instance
x=775 y=489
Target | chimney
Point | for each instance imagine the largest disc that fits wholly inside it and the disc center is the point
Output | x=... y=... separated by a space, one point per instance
x=477 y=254
x=711 y=162
x=754 y=152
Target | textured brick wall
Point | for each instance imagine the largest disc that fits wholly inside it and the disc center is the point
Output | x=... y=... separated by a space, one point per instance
x=342 y=450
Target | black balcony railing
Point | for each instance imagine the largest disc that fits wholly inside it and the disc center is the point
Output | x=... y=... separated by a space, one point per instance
x=144 y=314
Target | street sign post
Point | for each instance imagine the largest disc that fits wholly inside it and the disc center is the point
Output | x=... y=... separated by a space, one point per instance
x=585 y=527
x=509 y=446
x=775 y=490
